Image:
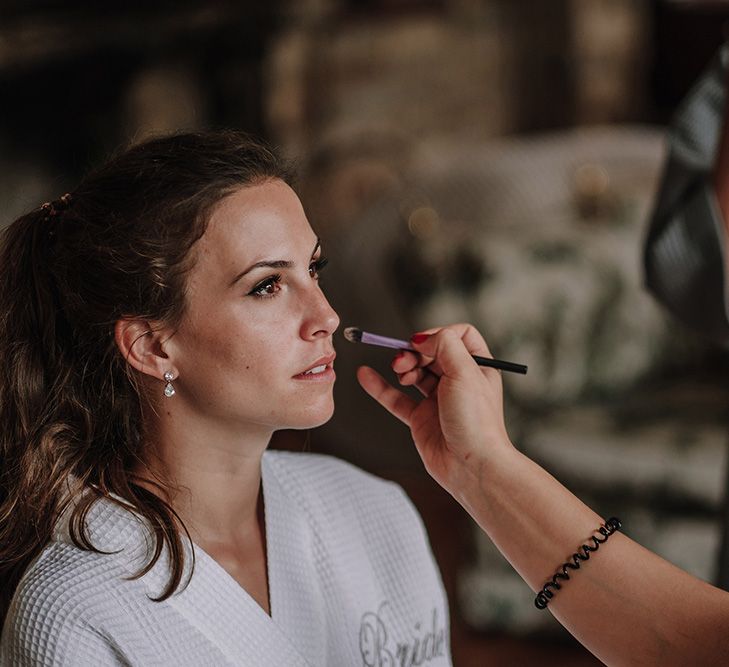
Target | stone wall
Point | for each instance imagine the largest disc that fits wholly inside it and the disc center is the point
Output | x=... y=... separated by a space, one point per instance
x=459 y=69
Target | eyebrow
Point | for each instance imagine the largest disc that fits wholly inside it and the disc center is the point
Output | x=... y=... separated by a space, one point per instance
x=272 y=264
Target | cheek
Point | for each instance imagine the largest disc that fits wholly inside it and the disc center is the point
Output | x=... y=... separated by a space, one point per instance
x=233 y=350
x=210 y=346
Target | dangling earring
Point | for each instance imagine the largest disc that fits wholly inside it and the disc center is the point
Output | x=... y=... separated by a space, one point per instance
x=169 y=389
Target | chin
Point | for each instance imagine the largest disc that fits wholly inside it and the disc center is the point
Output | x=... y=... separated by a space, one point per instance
x=314 y=417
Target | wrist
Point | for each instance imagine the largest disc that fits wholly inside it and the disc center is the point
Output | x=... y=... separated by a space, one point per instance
x=479 y=473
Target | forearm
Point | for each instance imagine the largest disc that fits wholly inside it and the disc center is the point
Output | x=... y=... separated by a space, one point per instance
x=626 y=604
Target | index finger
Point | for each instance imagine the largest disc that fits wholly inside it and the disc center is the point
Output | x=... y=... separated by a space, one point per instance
x=472 y=340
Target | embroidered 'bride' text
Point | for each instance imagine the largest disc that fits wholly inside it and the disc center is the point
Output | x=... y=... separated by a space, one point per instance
x=380 y=649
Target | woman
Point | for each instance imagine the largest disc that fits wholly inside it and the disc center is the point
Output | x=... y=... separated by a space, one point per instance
x=158 y=324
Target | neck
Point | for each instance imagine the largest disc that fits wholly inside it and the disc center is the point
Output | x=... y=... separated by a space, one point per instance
x=215 y=474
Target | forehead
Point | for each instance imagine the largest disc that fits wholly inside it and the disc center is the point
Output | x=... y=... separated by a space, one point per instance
x=256 y=222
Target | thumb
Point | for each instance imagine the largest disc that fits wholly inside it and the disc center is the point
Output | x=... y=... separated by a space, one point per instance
x=447 y=349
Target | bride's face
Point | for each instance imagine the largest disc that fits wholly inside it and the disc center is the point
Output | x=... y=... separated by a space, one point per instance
x=257 y=320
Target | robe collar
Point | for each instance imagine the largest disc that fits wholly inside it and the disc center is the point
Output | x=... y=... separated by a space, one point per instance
x=212 y=601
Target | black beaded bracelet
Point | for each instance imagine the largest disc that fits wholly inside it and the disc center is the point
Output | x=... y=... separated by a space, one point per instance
x=606 y=530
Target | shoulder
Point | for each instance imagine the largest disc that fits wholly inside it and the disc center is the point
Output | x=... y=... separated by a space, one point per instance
x=319 y=468
x=360 y=524
x=64 y=577
x=330 y=489
x=58 y=605
x=327 y=476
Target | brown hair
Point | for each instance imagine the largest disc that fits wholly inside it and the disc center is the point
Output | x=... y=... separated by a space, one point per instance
x=70 y=405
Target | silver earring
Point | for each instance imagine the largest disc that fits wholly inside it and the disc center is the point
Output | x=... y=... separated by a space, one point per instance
x=169 y=389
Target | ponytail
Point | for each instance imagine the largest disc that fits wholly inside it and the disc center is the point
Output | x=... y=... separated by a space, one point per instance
x=32 y=448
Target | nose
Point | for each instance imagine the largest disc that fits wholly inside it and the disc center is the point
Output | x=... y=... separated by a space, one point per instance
x=320 y=319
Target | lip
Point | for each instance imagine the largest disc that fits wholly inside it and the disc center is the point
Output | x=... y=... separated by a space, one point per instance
x=328 y=374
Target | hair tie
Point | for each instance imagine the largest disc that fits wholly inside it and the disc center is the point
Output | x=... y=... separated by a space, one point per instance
x=611 y=526
x=54 y=208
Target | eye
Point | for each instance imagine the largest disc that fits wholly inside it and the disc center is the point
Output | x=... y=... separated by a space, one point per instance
x=267 y=288
x=316 y=266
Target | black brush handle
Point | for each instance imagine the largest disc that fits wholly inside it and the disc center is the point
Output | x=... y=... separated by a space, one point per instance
x=501 y=365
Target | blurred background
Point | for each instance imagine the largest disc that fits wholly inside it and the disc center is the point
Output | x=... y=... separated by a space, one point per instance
x=493 y=161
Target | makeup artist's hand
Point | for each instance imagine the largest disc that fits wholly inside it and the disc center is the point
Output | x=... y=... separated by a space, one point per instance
x=459 y=424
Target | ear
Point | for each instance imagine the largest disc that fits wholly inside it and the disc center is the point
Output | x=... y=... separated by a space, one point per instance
x=142 y=345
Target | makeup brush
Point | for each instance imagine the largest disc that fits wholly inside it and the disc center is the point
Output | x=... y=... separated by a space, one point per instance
x=355 y=335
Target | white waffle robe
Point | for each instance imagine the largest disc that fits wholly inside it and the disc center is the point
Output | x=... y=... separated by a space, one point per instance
x=351 y=578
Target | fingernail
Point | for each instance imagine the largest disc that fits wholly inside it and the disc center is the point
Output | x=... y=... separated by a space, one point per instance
x=419 y=338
